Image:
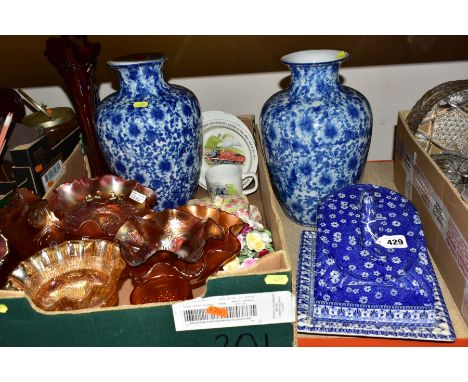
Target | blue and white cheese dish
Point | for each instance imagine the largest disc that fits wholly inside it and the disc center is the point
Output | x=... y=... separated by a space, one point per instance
x=367 y=272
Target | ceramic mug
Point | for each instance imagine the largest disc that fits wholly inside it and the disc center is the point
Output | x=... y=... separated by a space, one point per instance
x=227 y=179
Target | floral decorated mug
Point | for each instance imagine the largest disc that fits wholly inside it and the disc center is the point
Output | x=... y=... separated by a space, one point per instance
x=227 y=179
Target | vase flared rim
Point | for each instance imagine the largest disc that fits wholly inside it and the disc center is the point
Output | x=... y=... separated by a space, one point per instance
x=137 y=59
x=316 y=56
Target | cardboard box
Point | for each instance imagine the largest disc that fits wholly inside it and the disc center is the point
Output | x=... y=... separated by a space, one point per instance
x=22 y=324
x=443 y=213
x=38 y=165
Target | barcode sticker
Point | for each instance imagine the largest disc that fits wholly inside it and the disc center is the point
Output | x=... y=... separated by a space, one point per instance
x=242 y=310
x=51 y=175
x=137 y=196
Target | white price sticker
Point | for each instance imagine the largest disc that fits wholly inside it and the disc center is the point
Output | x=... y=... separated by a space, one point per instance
x=137 y=196
x=234 y=310
x=392 y=241
x=51 y=175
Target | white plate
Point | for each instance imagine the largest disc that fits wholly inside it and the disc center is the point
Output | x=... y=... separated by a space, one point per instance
x=226 y=139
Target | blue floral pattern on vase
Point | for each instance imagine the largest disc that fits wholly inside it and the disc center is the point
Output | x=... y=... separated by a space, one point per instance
x=358 y=278
x=316 y=135
x=150 y=131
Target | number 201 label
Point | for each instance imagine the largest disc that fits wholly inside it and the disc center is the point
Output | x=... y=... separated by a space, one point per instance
x=393 y=241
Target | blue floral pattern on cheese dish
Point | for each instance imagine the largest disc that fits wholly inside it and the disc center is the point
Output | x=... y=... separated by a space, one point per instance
x=358 y=276
x=316 y=137
x=371 y=322
x=150 y=131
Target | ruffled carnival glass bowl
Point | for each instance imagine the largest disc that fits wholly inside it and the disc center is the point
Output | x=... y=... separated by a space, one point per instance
x=96 y=208
x=178 y=232
x=73 y=275
x=145 y=261
x=29 y=225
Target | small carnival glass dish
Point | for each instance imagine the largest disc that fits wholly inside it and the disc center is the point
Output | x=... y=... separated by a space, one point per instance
x=74 y=275
x=166 y=285
x=96 y=208
x=171 y=230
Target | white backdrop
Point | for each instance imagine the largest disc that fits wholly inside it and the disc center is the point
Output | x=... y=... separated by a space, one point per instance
x=388 y=89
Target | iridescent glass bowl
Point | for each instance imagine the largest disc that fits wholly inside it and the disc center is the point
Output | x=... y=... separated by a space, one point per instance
x=138 y=246
x=73 y=275
x=29 y=225
x=216 y=252
x=167 y=285
x=174 y=231
x=96 y=208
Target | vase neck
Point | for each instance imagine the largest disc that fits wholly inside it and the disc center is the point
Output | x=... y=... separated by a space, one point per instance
x=314 y=80
x=141 y=79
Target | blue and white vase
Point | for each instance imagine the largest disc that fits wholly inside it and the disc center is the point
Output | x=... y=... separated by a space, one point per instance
x=150 y=130
x=316 y=134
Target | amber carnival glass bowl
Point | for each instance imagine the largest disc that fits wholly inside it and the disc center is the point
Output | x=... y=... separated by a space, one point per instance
x=167 y=285
x=96 y=208
x=76 y=274
x=144 y=261
x=172 y=230
x=28 y=225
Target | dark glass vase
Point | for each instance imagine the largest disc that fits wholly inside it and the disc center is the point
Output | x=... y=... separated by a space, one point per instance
x=75 y=59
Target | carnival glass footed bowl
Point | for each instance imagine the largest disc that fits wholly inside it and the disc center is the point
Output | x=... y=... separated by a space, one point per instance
x=168 y=284
x=73 y=275
x=96 y=208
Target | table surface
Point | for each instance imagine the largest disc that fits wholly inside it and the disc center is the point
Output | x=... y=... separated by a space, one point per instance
x=380 y=173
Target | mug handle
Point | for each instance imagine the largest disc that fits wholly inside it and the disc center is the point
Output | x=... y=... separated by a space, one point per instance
x=254 y=177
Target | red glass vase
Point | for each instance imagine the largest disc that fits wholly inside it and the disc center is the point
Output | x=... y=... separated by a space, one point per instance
x=75 y=59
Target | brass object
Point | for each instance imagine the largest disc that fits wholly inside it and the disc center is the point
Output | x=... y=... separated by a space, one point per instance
x=55 y=116
x=56 y=122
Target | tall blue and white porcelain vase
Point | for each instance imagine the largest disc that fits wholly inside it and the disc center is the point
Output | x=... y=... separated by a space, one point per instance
x=150 y=130
x=316 y=133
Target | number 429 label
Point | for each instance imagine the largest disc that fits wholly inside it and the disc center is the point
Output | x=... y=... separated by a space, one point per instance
x=392 y=241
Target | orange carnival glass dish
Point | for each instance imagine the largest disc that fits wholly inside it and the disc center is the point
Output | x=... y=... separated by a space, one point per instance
x=96 y=208
x=76 y=274
x=144 y=253
x=178 y=232
x=167 y=285
x=28 y=225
